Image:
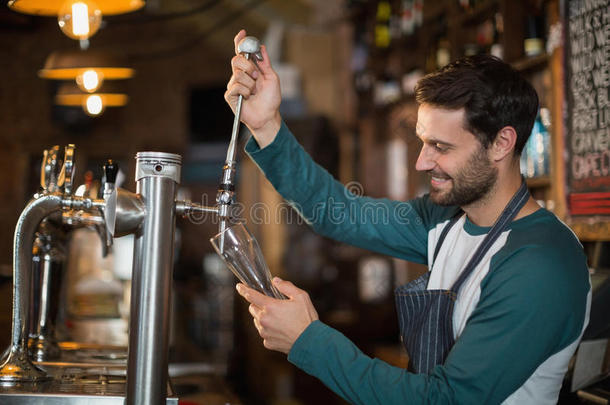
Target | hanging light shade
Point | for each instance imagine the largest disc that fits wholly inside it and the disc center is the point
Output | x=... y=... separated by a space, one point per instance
x=109 y=95
x=88 y=68
x=53 y=7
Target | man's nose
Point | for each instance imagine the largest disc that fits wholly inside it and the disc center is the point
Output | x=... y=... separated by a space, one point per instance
x=425 y=160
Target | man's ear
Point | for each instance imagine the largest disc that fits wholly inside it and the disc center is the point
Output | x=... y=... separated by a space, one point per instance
x=504 y=144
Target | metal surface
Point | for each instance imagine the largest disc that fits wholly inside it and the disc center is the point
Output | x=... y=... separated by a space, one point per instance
x=186 y=208
x=248 y=46
x=157 y=176
x=86 y=380
x=49 y=171
x=16 y=366
x=47 y=269
x=74 y=384
x=129 y=212
x=158 y=164
x=110 y=196
x=66 y=176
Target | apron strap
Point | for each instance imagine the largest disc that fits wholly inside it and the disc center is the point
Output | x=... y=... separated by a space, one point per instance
x=508 y=214
x=444 y=233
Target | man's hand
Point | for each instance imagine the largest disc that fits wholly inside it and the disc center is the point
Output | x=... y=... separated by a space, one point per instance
x=258 y=83
x=280 y=322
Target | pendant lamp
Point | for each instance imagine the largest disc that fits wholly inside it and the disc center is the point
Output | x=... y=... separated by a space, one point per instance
x=51 y=8
x=89 y=69
x=94 y=104
x=78 y=19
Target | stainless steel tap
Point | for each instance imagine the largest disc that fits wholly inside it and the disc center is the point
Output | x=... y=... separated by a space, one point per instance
x=55 y=196
x=48 y=262
x=48 y=267
x=49 y=255
x=249 y=47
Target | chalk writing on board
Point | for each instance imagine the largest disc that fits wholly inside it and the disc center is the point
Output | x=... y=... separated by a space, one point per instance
x=588 y=73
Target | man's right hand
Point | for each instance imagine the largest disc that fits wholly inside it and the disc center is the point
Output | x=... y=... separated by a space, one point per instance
x=260 y=86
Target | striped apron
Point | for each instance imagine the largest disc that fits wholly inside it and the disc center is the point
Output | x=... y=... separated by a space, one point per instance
x=426 y=316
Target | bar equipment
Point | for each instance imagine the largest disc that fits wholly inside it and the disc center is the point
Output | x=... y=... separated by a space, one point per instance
x=247 y=46
x=149 y=214
x=49 y=254
x=243 y=256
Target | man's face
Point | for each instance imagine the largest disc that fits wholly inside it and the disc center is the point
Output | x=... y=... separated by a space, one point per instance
x=461 y=172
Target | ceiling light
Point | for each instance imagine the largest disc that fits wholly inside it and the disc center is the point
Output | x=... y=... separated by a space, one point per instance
x=79 y=19
x=93 y=104
x=51 y=8
x=90 y=80
x=109 y=95
x=75 y=65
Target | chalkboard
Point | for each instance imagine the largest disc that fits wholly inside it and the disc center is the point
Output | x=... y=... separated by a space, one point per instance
x=587 y=67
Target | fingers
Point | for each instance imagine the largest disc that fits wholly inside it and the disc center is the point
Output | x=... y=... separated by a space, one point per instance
x=288 y=289
x=253 y=296
x=234 y=89
x=243 y=80
x=257 y=324
x=265 y=64
x=241 y=83
x=240 y=35
x=240 y=63
x=255 y=311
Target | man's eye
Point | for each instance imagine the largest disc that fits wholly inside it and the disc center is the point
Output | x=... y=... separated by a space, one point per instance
x=440 y=147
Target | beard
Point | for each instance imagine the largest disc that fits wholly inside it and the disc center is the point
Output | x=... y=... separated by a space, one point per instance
x=470 y=184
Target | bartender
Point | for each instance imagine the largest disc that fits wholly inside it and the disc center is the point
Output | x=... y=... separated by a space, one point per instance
x=502 y=309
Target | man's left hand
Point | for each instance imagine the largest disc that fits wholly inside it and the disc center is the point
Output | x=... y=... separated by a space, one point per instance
x=280 y=322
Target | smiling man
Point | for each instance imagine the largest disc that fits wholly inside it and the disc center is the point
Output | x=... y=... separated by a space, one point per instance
x=502 y=309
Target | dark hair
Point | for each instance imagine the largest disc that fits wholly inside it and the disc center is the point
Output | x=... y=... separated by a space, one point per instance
x=491 y=92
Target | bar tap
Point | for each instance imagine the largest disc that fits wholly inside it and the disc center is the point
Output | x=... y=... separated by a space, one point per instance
x=110 y=196
x=248 y=46
x=48 y=260
x=48 y=267
x=16 y=366
x=49 y=255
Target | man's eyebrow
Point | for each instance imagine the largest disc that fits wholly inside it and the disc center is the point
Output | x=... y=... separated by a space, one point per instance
x=434 y=140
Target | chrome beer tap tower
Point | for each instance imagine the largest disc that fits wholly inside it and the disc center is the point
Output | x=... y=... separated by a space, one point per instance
x=35 y=371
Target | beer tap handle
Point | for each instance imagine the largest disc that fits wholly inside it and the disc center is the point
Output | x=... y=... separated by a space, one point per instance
x=49 y=170
x=111 y=170
x=69 y=168
x=44 y=171
x=66 y=176
x=250 y=47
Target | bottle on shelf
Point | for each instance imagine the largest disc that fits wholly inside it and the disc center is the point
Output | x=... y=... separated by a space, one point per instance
x=497 y=49
x=407 y=20
x=382 y=25
x=443 y=53
x=533 y=44
x=535 y=158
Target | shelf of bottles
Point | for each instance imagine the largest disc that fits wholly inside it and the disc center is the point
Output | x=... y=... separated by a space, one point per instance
x=396 y=42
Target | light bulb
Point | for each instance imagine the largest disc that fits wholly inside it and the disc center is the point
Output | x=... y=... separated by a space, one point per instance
x=79 y=19
x=94 y=105
x=90 y=80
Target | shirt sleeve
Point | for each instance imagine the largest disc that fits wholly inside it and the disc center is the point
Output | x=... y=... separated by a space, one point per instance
x=523 y=317
x=394 y=228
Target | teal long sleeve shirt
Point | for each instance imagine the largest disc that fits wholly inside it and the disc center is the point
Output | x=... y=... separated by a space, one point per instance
x=515 y=345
